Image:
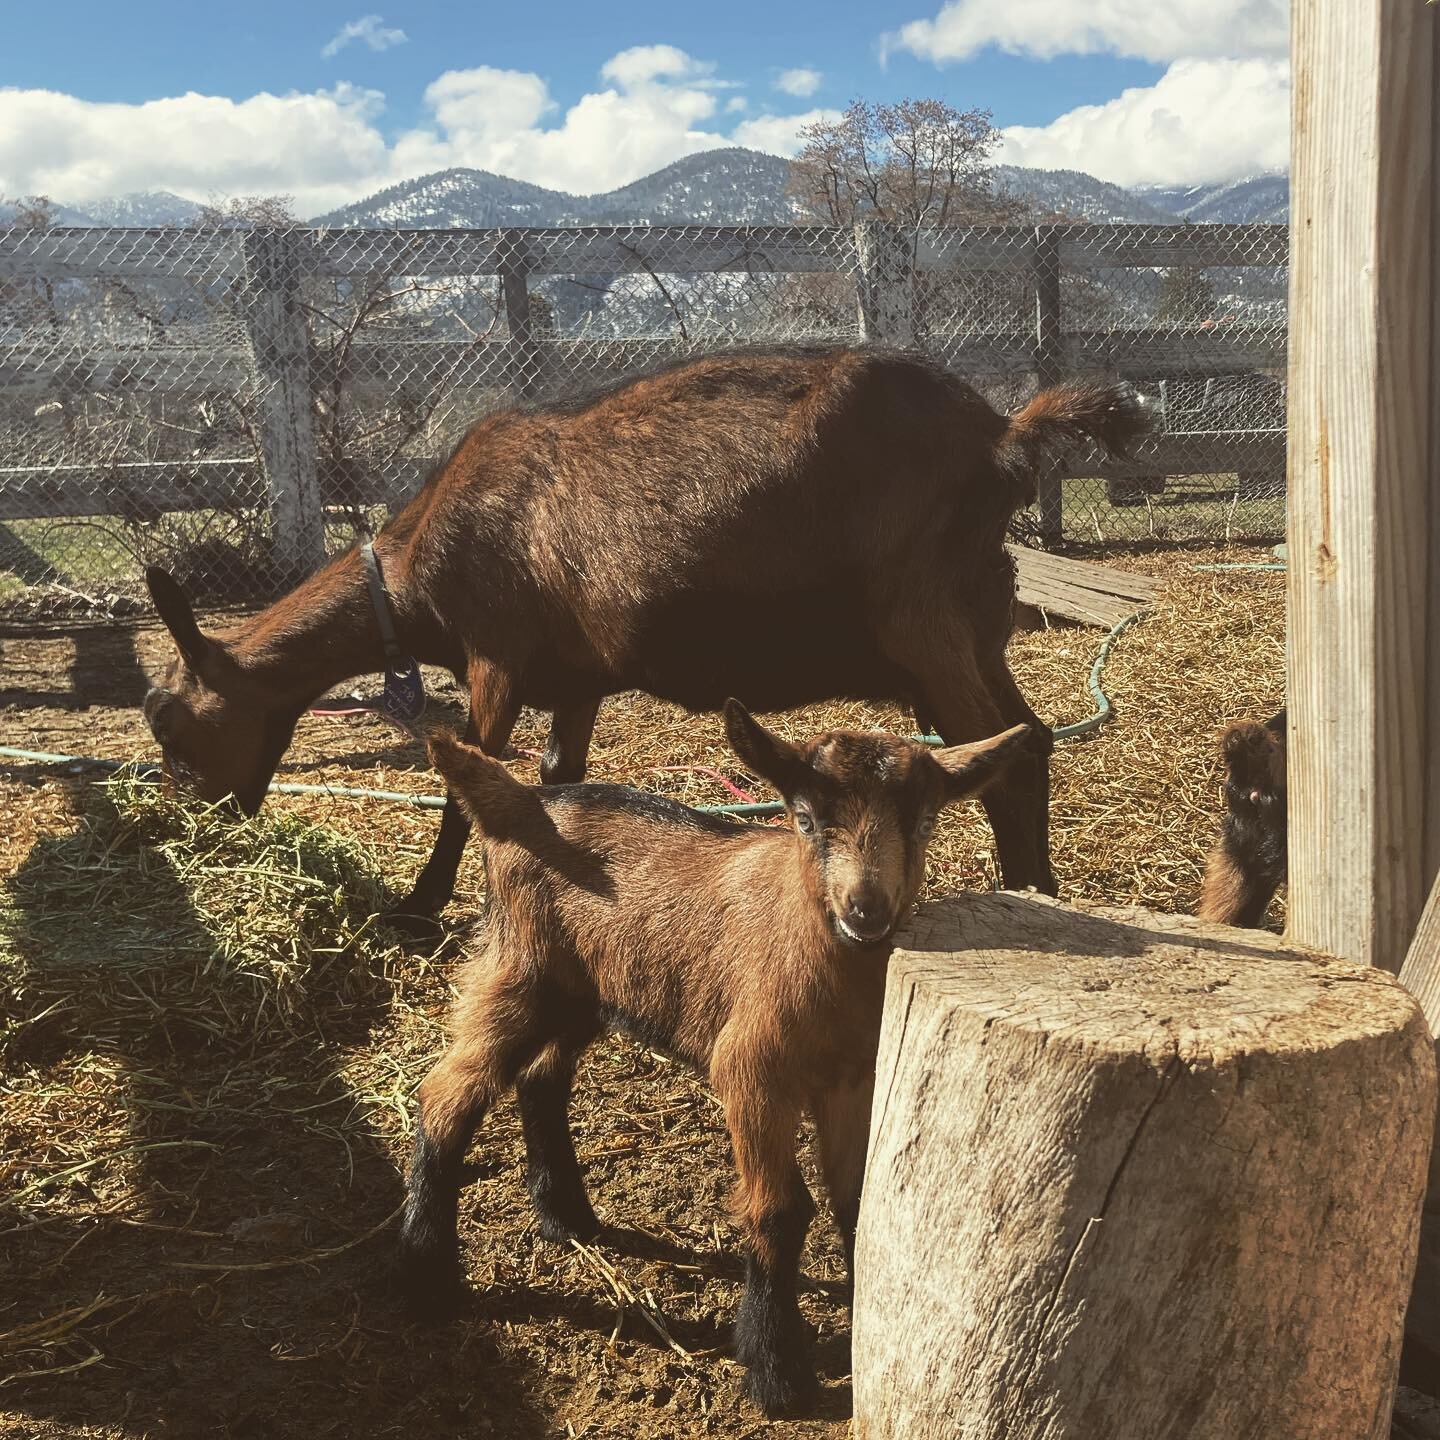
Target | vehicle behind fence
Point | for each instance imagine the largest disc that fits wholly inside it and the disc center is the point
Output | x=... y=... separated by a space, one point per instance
x=236 y=404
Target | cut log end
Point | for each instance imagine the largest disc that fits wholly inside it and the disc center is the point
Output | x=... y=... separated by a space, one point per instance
x=1132 y=1175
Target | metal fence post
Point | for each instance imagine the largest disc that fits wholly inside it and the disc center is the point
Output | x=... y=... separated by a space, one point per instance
x=885 y=283
x=280 y=344
x=1049 y=366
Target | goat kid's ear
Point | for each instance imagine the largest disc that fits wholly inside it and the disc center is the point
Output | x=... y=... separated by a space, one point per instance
x=174 y=609
x=464 y=766
x=970 y=768
x=770 y=757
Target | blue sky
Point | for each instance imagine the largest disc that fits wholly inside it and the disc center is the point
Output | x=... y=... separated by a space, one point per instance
x=585 y=96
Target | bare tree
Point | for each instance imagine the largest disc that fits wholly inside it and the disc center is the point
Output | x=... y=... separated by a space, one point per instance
x=28 y=212
x=247 y=212
x=917 y=162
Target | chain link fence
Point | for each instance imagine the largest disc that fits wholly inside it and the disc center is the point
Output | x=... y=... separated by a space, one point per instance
x=236 y=404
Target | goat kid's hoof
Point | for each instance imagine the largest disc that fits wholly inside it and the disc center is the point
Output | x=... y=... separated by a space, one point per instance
x=560 y=1230
x=779 y=1393
x=418 y=927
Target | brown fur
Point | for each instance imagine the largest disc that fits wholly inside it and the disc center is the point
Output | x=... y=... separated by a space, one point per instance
x=1250 y=861
x=790 y=527
x=757 y=955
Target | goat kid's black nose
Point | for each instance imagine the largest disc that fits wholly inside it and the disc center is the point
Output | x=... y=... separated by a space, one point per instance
x=867 y=918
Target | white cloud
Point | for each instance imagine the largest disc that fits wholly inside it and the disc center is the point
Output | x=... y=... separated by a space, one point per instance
x=326 y=148
x=644 y=64
x=800 y=81
x=1144 y=29
x=369 y=28
x=321 y=147
x=778 y=134
x=1203 y=121
x=737 y=103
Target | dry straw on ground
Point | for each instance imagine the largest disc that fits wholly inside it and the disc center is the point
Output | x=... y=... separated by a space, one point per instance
x=211 y=1048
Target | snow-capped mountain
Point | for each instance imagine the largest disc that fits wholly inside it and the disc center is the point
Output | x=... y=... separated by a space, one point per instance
x=460 y=199
x=1078 y=195
x=1257 y=198
x=138 y=209
x=715 y=187
x=744 y=187
x=142 y=208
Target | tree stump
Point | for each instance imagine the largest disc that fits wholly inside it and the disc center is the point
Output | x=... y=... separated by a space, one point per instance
x=1135 y=1177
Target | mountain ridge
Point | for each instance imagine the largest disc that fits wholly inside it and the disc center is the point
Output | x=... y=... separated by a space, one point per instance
x=727 y=186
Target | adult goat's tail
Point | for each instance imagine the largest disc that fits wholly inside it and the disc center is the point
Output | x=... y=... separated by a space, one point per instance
x=1113 y=416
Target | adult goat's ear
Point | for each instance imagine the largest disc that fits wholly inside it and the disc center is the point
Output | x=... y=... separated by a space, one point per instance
x=970 y=768
x=765 y=753
x=174 y=609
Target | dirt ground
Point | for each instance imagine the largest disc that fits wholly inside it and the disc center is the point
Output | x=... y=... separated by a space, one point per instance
x=195 y=1239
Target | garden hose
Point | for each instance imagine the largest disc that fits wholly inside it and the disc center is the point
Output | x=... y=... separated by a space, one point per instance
x=1103 y=712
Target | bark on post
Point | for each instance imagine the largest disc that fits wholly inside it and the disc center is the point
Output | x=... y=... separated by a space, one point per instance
x=1133 y=1176
x=280 y=343
x=885 y=283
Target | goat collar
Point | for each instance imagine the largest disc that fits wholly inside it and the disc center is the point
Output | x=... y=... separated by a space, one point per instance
x=404 y=698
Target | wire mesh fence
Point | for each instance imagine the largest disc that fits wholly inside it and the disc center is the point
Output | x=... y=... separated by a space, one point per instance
x=236 y=404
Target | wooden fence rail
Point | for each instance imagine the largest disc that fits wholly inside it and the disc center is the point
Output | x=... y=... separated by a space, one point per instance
x=263 y=273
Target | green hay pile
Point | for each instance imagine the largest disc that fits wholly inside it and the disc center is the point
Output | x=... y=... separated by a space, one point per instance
x=162 y=916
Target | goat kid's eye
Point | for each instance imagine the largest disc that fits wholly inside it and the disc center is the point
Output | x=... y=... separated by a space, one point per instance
x=804 y=822
x=926 y=828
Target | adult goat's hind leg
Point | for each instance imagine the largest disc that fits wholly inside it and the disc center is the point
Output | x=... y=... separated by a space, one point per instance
x=1019 y=803
x=969 y=699
x=503 y=1030
x=552 y=1171
x=494 y=708
x=569 y=744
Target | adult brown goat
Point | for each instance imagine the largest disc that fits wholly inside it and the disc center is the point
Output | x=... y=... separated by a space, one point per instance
x=755 y=954
x=787 y=527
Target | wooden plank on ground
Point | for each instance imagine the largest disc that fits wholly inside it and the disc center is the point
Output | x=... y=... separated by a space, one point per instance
x=1077 y=589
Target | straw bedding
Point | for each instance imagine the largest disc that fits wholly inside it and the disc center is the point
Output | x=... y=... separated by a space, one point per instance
x=210 y=1046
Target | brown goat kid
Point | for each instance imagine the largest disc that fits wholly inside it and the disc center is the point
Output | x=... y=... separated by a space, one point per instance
x=787 y=527
x=755 y=954
x=1250 y=860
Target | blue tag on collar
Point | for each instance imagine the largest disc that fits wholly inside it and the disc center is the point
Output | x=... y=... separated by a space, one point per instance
x=404 y=697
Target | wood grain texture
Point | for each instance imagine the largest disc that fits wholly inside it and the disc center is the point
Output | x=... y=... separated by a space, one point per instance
x=1360 y=485
x=884 y=284
x=1135 y=1177
x=1077 y=589
x=280 y=341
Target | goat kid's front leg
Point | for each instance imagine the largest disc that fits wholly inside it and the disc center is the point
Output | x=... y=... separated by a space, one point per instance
x=494 y=709
x=842 y=1133
x=772 y=1340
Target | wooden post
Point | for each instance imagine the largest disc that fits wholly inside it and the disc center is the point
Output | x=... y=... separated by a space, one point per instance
x=280 y=343
x=524 y=365
x=1131 y=1175
x=1362 y=755
x=1049 y=367
x=885 y=283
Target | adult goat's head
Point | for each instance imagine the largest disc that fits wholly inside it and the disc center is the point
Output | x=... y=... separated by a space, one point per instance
x=216 y=734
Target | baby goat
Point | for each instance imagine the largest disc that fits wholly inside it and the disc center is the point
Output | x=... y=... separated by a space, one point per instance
x=1249 y=862
x=756 y=954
